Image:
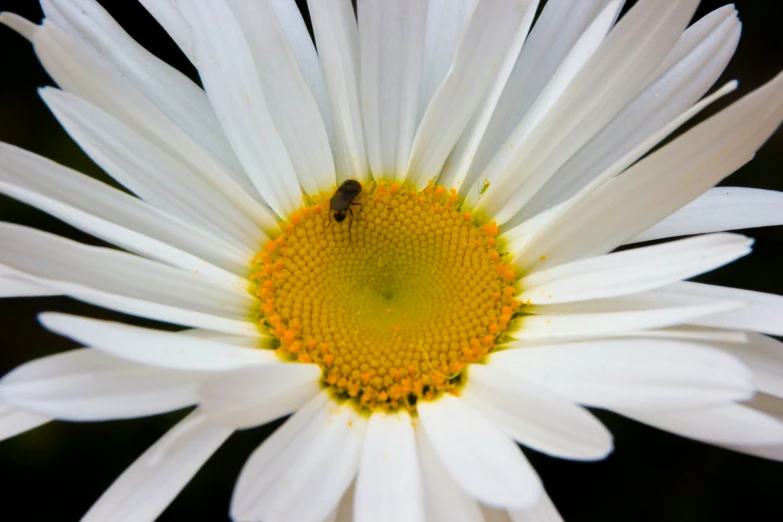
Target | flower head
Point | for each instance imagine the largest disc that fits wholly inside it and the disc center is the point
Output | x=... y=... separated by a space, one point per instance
x=407 y=240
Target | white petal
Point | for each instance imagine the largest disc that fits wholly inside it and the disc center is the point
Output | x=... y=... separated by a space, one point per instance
x=15 y=286
x=535 y=228
x=632 y=271
x=293 y=26
x=692 y=67
x=128 y=239
x=587 y=44
x=391 y=44
x=137 y=163
x=689 y=333
x=554 y=34
x=53 y=181
x=763 y=313
x=130 y=96
x=337 y=36
x=128 y=81
x=544 y=511
x=32 y=251
x=481 y=58
x=295 y=114
x=764 y=357
x=253 y=396
x=484 y=462
x=313 y=456
x=149 y=485
x=610 y=324
x=726 y=424
x=534 y=416
x=445 y=23
x=631 y=373
x=388 y=488
x=719 y=209
x=444 y=498
x=89 y=385
x=169 y=17
x=228 y=72
x=14 y=421
x=606 y=83
x=155 y=347
x=21 y=25
x=660 y=184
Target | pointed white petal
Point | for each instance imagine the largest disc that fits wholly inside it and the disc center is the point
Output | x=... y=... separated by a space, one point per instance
x=388 y=487
x=726 y=424
x=295 y=114
x=687 y=73
x=719 y=209
x=602 y=87
x=484 y=462
x=689 y=333
x=31 y=251
x=21 y=25
x=148 y=309
x=763 y=313
x=660 y=184
x=169 y=17
x=149 y=485
x=444 y=498
x=87 y=385
x=14 y=421
x=253 y=396
x=293 y=27
x=445 y=23
x=764 y=357
x=91 y=56
x=14 y=283
x=236 y=340
x=587 y=44
x=531 y=229
x=481 y=58
x=155 y=347
x=544 y=511
x=391 y=45
x=314 y=455
x=555 y=326
x=632 y=271
x=631 y=373
x=534 y=416
x=128 y=239
x=231 y=79
x=37 y=180
x=554 y=34
x=337 y=36
x=137 y=163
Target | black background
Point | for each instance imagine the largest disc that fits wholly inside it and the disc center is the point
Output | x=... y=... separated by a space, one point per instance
x=55 y=472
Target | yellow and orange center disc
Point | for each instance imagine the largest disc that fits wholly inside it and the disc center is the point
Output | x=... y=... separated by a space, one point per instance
x=394 y=301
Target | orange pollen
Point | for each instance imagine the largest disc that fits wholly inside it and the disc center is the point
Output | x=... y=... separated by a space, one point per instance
x=393 y=302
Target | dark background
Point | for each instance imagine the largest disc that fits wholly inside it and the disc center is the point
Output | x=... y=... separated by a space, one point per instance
x=55 y=472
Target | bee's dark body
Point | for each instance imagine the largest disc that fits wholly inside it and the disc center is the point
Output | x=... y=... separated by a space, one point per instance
x=343 y=198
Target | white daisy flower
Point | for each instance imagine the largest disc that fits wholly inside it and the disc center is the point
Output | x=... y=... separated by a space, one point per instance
x=406 y=240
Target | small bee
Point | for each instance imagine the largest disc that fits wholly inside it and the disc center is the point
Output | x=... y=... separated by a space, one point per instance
x=343 y=199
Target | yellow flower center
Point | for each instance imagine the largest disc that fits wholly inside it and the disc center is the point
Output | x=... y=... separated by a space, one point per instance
x=392 y=302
